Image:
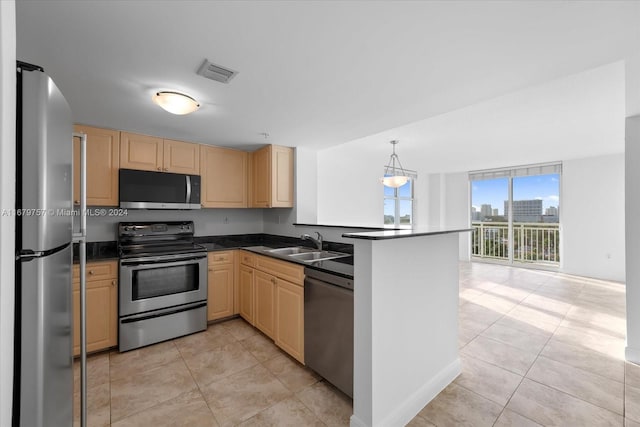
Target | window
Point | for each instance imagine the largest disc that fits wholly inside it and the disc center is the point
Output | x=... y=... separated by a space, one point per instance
x=515 y=214
x=398 y=205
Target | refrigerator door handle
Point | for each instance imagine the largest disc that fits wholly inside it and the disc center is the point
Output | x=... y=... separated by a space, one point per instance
x=81 y=239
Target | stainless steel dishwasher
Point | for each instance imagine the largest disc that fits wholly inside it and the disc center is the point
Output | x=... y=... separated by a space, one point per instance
x=328 y=327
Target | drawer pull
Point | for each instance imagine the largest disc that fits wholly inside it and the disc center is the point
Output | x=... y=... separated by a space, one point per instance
x=113 y=283
x=159 y=168
x=91 y=272
x=166 y=169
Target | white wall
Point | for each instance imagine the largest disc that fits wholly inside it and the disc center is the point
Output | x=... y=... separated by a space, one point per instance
x=349 y=192
x=208 y=222
x=592 y=217
x=7 y=201
x=633 y=237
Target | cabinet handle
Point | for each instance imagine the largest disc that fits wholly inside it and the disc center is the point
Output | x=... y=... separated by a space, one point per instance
x=166 y=169
x=76 y=202
x=210 y=269
x=113 y=283
x=159 y=168
x=91 y=272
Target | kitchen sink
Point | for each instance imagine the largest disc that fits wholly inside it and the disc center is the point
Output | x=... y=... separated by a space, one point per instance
x=318 y=256
x=291 y=251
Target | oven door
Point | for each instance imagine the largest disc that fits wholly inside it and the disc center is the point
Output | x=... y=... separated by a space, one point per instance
x=159 y=282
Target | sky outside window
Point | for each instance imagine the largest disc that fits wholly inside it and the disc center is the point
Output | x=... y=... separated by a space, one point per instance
x=533 y=187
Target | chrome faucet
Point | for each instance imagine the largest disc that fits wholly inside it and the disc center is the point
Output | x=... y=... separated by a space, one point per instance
x=318 y=241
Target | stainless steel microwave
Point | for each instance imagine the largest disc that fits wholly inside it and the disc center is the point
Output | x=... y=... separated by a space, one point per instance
x=158 y=190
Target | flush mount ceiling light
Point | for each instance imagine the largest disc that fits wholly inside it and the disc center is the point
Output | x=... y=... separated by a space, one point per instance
x=394 y=176
x=175 y=102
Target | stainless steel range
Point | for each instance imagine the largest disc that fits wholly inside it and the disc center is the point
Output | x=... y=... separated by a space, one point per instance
x=163 y=283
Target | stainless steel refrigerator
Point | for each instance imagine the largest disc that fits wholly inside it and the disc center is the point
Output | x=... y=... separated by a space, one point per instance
x=43 y=374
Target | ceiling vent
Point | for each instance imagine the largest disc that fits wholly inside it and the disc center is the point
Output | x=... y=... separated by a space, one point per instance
x=216 y=72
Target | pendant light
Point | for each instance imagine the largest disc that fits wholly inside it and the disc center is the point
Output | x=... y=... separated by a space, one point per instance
x=176 y=102
x=394 y=176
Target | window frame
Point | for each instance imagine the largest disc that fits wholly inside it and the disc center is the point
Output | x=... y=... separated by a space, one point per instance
x=396 y=198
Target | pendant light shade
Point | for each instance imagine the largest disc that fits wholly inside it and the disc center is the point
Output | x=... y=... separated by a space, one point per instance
x=176 y=102
x=394 y=176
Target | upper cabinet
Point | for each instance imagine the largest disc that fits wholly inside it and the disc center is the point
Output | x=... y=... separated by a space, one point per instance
x=103 y=161
x=272 y=177
x=141 y=152
x=224 y=175
x=181 y=157
x=151 y=153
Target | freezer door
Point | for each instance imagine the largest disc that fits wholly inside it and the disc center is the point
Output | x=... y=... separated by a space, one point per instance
x=46 y=360
x=46 y=174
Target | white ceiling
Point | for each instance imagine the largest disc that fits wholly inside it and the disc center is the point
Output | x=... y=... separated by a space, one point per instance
x=312 y=74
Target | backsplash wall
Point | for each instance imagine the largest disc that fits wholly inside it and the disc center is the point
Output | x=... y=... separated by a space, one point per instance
x=208 y=222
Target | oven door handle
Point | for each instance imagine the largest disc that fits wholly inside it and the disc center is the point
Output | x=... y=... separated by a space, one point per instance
x=160 y=313
x=168 y=259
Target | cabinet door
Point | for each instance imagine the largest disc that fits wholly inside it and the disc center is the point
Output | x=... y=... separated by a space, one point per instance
x=140 y=152
x=103 y=161
x=181 y=157
x=102 y=315
x=220 y=291
x=281 y=177
x=289 y=319
x=224 y=177
x=261 y=178
x=245 y=285
x=264 y=285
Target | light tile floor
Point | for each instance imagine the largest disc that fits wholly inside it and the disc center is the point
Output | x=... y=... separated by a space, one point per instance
x=537 y=348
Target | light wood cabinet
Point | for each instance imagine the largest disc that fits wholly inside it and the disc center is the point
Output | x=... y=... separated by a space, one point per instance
x=245 y=292
x=103 y=162
x=220 y=285
x=144 y=152
x=272 y=177
x=102 y=306
x=274 y=302
x=181 y=157
x=224 y=175
x=264 y=297
x=289 y=318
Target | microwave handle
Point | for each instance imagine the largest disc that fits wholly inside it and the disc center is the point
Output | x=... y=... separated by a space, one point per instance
x=188 y=177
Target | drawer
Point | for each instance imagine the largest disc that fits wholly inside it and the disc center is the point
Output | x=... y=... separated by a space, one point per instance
x=220 y=257
x=285 y=270
x=97 y=271
x=247 y=258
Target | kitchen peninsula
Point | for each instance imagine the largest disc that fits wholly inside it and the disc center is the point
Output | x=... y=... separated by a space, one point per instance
x=405 y=321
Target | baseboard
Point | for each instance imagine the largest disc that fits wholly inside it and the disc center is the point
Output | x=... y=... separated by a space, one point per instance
x=356 y=422
x=404 y=413
x=632 y=354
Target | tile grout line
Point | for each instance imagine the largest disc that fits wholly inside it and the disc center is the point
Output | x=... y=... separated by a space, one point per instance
x=196 y=382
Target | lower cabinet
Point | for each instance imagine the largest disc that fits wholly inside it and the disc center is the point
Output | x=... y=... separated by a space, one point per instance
x=264 y=292
x=245 y=292
x=272 y=299
x=102 y=306
x=220 y=286
x=289 y=319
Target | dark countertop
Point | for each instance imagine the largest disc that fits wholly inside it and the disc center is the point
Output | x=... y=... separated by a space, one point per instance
x=258 y=242
x=399 y=234
x=97 y=251
x=108 y=250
